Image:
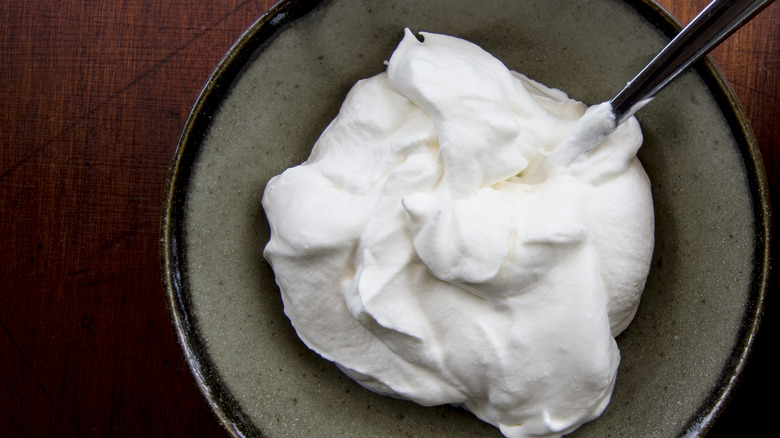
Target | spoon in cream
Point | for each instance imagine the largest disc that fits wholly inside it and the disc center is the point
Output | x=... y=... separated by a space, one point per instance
x=715 y=23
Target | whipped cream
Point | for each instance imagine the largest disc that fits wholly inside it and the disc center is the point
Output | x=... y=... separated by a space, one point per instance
x=462 y=234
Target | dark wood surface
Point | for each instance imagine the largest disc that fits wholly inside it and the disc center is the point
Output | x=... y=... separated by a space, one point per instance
x=94 y=95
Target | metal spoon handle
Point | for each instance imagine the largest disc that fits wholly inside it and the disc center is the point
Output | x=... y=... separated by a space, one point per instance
x=714 y=24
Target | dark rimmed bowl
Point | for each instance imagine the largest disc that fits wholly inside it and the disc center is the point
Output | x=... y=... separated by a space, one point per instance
x=283 y=81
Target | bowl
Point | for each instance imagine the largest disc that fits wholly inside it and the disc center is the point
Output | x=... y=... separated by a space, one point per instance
x=283 y=81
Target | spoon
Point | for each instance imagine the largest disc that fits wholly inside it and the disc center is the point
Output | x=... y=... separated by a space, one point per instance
x=715 y=23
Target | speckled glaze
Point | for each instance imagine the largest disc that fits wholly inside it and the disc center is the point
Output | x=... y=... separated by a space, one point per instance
x=282 y=83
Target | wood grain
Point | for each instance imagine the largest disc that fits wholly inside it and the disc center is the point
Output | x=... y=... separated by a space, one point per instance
x=94 y=95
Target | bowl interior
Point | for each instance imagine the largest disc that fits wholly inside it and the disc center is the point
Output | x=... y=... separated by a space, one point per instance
x=284 y=81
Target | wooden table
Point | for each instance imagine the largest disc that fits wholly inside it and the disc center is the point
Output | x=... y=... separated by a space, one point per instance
x=94 y=95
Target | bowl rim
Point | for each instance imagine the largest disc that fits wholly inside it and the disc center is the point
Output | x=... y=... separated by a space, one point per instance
x=173 y=256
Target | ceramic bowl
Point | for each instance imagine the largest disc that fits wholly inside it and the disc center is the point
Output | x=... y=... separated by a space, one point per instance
x=281 y=84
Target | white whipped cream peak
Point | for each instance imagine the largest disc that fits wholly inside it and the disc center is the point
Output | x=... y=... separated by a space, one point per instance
x=462 y=234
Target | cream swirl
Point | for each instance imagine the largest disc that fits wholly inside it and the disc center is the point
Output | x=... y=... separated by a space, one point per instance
x=462 y=234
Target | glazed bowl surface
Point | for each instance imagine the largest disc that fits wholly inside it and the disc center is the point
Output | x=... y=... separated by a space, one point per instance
x=281 y=84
